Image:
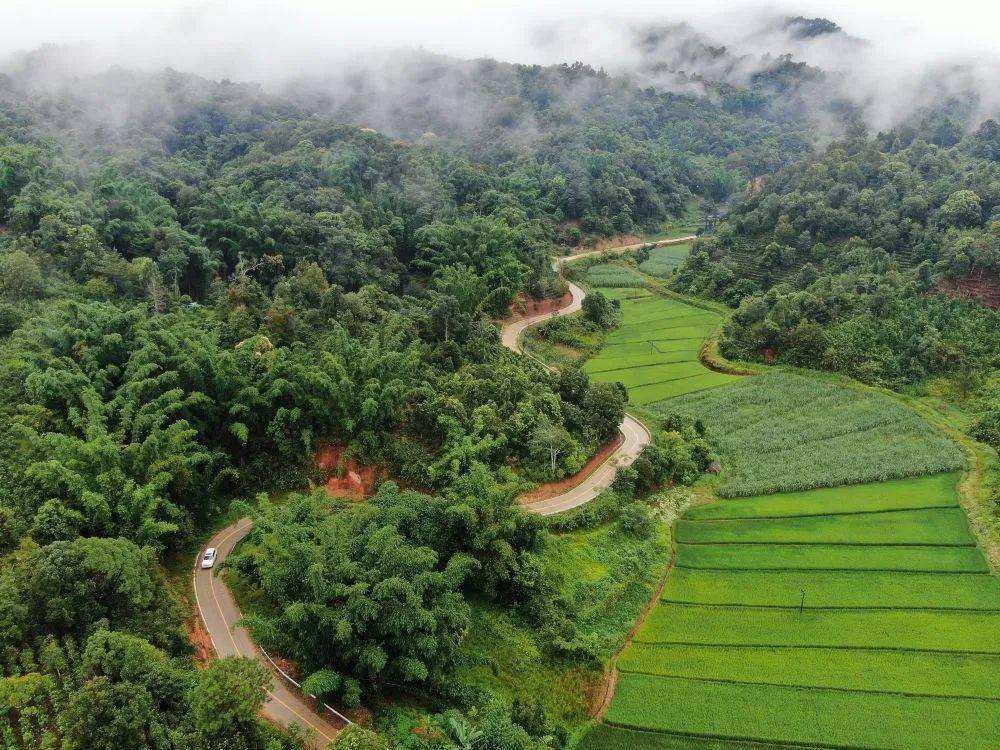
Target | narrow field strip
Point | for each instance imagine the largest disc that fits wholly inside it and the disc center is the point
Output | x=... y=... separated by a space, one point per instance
x=828 y=513
x=845 y=589
x=938 y=526
x=657 y=340
x=654 y=374
x=816 y=556
x=813 y=647
x=612 y=737
x=689 y=331
x=885 y=495
x=657 y=358
x=645 y=394
x=733 y=681
x=970 y=544
x=808 y=716
x=920 y=673
x=936 y=629
x=685 y=315
x=782 y=569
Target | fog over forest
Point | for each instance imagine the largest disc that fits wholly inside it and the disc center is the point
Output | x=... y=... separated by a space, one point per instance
x=380 y=65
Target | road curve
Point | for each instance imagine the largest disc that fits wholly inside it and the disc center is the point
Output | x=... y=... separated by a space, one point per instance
x=285 y=705
x=636 y=436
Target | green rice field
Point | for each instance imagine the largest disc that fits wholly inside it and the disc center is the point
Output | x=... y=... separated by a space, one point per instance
x=835 y=599
x=860 y=616
x=654 y=352
x=664 y=260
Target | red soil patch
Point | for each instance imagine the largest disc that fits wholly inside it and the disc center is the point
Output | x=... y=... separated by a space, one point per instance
x=552 y=489
x=345 y=476
x=755 y=185
x=979 y=285
x=289 y=667
x=523 y=307
x=200 y=640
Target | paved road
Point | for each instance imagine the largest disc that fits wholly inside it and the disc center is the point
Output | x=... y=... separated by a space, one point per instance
x=636 y=436
x=285 y=705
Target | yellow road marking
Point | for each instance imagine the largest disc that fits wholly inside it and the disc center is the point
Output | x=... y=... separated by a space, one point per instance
x=211 y=579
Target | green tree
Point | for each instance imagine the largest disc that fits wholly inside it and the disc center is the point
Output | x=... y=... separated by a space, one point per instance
x=227 y=697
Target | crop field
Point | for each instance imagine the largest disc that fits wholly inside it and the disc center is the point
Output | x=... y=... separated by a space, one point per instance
x=860 y=616
x=921 y=557
x=782 y=431
x=850 y=628
x=947 y=674
x=664 y=260
x=613 y=275
x=782 y=714
x=654 y=352
x=836 y=599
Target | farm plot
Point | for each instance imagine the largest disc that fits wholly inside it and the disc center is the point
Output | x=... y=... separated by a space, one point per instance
x=944 y=674
x=782 y=431
x=654 y=352
x=954 y=631
x=921 y=558
x=613 y=275
x=664 y=260
x=825 y=615
x=780 y=714
x=834 y=617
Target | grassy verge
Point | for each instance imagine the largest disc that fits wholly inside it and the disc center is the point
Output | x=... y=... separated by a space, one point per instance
x=608 y=577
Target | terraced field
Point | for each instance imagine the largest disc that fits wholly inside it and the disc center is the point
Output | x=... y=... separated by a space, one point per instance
x=836 y=617
x=838 y=599
x=654 y=352
x=663 y=261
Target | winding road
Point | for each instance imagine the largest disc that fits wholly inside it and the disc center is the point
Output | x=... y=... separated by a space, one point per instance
x=634 y=433
x=286 y=704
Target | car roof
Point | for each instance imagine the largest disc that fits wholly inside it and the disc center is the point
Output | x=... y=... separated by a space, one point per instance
x=210 y=551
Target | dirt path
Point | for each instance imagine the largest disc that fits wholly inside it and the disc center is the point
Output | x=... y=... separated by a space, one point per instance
x=635 y=436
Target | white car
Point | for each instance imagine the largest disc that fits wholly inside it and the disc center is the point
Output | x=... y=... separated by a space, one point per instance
x=208 y=559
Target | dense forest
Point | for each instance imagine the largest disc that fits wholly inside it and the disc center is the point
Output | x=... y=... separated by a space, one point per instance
x=203 y=283
x=870 y=258
x=200 y=293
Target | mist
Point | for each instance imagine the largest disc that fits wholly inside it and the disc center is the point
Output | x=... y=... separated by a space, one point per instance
x=887 y=58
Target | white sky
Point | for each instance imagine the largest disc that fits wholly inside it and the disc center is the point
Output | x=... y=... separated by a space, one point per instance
x=213 y=33
x=270 y=41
